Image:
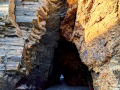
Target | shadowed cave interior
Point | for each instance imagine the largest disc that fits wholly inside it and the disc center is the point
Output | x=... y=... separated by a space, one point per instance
x=66 y=62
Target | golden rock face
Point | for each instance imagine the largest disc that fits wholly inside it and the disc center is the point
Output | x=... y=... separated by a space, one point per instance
x=98 y=41
x=71 y=2
x=97 y=16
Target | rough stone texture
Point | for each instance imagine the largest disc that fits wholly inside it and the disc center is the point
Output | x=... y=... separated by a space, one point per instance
x=71 y=3
x=68 y=22
x=26 y=9
x=11 y=11
x=3 y=8
x=11 y=48
x=95 y=32
x=67 y=31
x=42 y=41
x=38 y=51
x=97 y=38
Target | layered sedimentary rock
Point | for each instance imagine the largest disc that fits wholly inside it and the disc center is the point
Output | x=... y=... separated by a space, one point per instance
x=4 y=4
x=42 y=41
x=11 y=48
x=32 y=49
x=39 y=42
x=94 y=30
x=97 y=37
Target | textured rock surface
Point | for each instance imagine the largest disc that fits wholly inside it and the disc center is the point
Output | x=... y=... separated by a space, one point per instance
x=68 y=22
x=11 y=49
x=97 y=38
x=33 y=51
x=42 y=41
x=3 y=8
x=26 y=9
x=95 y=32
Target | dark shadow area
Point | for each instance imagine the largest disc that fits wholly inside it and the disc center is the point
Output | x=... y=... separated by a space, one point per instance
x=67 y=62
x=62 y=85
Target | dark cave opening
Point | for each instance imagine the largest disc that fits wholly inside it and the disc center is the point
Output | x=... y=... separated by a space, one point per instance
x=68 y=63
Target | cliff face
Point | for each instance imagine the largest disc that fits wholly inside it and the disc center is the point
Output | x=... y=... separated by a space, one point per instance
x=92 y=25
x=11 y=48
x=99 y=26
x=42 y=41
x=23 y=46
x=97 y=37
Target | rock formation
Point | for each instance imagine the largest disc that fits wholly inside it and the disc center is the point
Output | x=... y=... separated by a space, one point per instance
x=33 y=49
x=67 y=25
x=32 y=57
x=43 y=38
x=67 y=62
x=96 y=35
x=11 y=48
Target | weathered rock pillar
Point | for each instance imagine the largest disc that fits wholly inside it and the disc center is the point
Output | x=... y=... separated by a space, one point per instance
x=42 y=41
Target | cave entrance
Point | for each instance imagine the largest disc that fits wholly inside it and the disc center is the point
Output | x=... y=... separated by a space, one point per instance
x=68 y=65
x=67 y=71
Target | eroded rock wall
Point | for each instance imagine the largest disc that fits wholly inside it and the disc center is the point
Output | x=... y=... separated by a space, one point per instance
x=11 y=49
x=68 y=23
x=94 y=30
x=97 y=38
x=42 y=41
